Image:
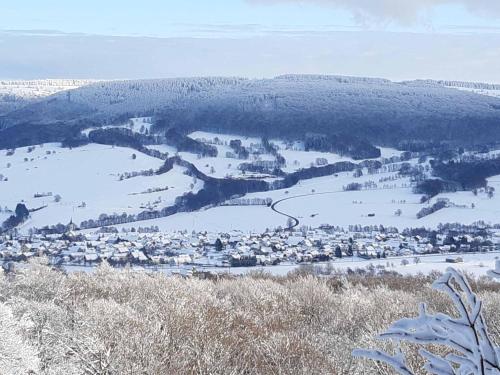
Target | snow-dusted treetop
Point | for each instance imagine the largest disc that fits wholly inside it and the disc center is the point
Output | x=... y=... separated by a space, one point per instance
x=343 y=96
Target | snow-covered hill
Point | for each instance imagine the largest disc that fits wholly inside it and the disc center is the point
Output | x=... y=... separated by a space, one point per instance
x=87 y=181
x=292 y=91
x=345 y=97
x=16 y=94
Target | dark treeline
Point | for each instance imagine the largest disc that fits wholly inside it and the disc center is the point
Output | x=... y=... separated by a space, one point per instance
x=27 y=134
x=307 y=173
x=342 y=144
x=255 y=168
x=272 y=125
x=352 y=134
x=123 y=137
x=433 y=187
x=215 y=190
x=183 y=143
x=467 y=174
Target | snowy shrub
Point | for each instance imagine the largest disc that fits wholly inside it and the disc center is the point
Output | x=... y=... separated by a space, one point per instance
x=130 y=322
x=17 y=356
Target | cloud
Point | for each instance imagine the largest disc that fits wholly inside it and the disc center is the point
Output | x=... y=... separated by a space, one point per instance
x=404 y=12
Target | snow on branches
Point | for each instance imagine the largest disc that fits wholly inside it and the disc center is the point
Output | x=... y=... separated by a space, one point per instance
x=471 y=350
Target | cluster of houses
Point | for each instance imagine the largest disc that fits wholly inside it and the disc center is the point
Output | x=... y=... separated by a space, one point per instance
x=233 y=249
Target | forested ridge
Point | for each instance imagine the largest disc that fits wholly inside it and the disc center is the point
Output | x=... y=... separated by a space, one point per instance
x=351 y=114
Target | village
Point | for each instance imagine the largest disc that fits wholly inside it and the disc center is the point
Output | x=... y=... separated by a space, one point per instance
x=150 y=248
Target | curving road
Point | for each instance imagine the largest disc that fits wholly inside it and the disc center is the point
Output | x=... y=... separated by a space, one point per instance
x=295 y=220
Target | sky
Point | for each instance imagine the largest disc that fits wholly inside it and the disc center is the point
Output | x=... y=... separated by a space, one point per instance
x=186 y=18
x=256 y=38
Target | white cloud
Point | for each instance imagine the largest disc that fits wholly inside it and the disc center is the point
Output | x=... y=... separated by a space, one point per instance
x=403 y=12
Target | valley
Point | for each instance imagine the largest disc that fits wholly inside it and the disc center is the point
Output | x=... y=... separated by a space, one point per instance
x=128 y=175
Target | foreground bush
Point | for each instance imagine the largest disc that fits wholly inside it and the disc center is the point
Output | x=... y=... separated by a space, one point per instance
x=124 y=322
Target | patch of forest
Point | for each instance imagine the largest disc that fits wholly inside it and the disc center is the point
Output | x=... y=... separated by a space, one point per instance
x=467 y=174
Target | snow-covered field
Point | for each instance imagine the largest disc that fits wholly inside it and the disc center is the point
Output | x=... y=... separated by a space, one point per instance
x=39 y=88
x=295 y=155
x=90 y=175
x=15 y=94
x=87 y=175
x=329 y=204
x=222 y=166
x=254 y=219
x=487 y=92
x=476 y=265
x=139 y=125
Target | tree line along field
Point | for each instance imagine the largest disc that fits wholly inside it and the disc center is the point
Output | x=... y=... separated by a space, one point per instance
x=117 y=180
x=126 y=322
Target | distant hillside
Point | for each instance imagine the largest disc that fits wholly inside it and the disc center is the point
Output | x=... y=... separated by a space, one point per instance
x=374 y=110
x=489 y=89
x=15 y=94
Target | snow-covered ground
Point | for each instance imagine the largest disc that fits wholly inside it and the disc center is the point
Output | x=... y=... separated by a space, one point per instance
x=322 y=201
x=222 y=166
x=487 y=92
x=476 y=265
x=90 y=175
x=140 y=125
x=254 y=219
x=330 y=205
x=297 y=158
x=87 y=174
x=294 y=153
x=16 y=94
x=39 y=88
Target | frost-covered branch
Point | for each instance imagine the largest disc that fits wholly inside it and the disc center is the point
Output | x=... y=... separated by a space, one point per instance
x=472 y=349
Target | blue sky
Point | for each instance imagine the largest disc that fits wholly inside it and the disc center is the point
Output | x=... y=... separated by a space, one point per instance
x=169 y=18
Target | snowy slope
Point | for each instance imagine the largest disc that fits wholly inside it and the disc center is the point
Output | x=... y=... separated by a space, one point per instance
x=39 y=88
x=14 y=94
x=87 y=174
x=322 y=201
x=91 y=173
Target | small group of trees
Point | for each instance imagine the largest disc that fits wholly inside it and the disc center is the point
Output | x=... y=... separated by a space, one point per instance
x=185 y=144
x=467 y=175
x=128 y=175
x=353 y=186
x=248 y=202
x=426 y=211
x=239 y=149
x=21 y=214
